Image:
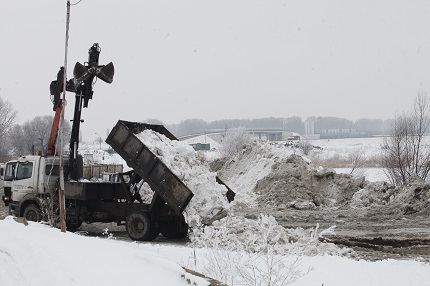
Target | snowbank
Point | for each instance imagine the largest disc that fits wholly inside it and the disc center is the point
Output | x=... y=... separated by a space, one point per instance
x=325 y=270
x=39 y=255
x=263 y=235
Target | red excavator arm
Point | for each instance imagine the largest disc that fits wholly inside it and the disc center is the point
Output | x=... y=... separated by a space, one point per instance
x=56 y=89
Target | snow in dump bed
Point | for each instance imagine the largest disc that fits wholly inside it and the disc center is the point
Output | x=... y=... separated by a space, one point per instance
x=209 y=202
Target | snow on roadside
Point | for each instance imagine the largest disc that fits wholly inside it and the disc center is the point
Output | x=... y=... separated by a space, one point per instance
x=263 y=235
x=39 y=255
x=325 y=269
x=209 y=201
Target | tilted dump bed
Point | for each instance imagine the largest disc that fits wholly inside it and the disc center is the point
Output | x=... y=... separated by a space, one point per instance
x=160 y=178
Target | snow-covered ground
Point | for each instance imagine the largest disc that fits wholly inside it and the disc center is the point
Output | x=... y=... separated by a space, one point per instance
x=371 y=174
x=344 y=146
x=28 y=252
x=38 y=255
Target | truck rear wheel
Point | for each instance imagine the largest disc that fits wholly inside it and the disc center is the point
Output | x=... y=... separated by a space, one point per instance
x=172 y=225
x=73 y=222
x=174 y=232
x=32 y=213
x=73 y=226
x=138 y=226
x=155 y=230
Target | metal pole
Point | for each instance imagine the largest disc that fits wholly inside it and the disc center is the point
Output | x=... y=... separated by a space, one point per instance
x=61 y=190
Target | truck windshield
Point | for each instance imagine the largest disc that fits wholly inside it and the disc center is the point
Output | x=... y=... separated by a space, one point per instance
x=9 y=170
x=24 y=170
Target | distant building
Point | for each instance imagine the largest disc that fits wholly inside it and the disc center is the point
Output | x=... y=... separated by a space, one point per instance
x=309 y=126
x=201 y=146
x=294 y=136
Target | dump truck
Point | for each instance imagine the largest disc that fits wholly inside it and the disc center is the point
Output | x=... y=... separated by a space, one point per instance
x=36 y=183
x=118 y=202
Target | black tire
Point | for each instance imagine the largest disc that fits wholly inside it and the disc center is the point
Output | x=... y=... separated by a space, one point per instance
x=171 y=233
x=155 y=230
x=32 y=213
x=176 y=228
x=138 y=226
x=72 y=227
x=72 y=220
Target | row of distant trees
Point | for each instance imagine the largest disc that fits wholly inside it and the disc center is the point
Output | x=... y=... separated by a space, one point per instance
x=293 y=124
x=406 y=152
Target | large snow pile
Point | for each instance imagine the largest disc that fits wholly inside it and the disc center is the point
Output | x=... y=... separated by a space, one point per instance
x=36 y=254
x=243 y=171
x=278 y=175
x=295 y=182
x=411 y=198
x=373 y=194
x=274 y=175
x=209 y=201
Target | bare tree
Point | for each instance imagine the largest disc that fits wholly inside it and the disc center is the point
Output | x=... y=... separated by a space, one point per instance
x=18 y=142
x=358 y=160
x=7 y=118
x=234 y=140
x=407 y=152
x=37 y=132
x=306 y=146
x=33 y=135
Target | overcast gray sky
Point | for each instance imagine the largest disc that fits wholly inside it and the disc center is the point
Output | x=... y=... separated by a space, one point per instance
x=220 y=59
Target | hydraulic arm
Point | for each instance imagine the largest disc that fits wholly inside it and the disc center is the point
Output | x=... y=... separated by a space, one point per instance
x=82 y=85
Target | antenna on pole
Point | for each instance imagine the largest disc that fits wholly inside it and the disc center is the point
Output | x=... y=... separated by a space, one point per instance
x=61 y=190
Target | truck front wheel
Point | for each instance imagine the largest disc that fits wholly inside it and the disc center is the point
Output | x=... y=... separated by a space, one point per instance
x=138 y=226
x=32 y=213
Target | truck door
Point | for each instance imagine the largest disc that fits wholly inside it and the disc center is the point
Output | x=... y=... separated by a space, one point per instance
x=1 y=175
x=8 y=173
x=25 y=181
x=2 y=166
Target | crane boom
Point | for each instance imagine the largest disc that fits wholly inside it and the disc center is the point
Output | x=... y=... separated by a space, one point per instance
x=82 y=85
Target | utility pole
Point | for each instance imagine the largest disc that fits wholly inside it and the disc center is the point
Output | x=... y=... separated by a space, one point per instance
x=61 y=195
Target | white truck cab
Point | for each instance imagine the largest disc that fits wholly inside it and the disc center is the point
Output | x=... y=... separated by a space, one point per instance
x=34 y=177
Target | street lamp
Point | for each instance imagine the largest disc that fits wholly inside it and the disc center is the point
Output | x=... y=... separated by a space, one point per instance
x=100 y=141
